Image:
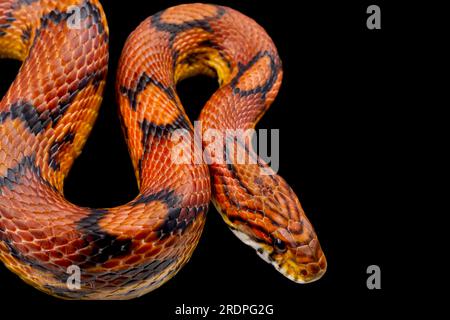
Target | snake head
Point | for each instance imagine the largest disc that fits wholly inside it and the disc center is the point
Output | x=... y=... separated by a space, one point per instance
x=299 y=260
x=273 y=222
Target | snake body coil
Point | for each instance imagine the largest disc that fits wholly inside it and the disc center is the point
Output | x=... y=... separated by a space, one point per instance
x=50 y=108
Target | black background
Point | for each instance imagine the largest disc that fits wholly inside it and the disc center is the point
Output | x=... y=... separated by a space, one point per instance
x=337 y=111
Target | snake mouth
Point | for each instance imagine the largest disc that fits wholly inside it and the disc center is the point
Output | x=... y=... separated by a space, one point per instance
x=304 y=273
x=287 y=263
x=293 y=270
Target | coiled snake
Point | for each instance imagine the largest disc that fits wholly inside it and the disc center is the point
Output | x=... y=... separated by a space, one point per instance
x=50 y=108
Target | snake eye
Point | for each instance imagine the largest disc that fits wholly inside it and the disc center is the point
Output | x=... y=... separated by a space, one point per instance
x=279 y=245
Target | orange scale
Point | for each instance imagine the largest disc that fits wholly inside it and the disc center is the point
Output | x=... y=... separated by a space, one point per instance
x=69 y=70
x=81 y=65
x=144 y=248
x=33 y=224
x=85 y=37
x=294 y=226
x=111 y=263
x=41 y=256
x=76 y=258
x=22 y=225
x=63 y=263
x=84 y=251
x=55 y=254
x=133 y=259
x=25 y=235
x=77 y=52
x=90 y=58
x=14 y=237
x=198 y=11
x=153 y=252
x=170 y=241
x=38 y=234
x=67 y=250
x=62 y=86
x=78 y=243
x=261 y=235
x=64 y=249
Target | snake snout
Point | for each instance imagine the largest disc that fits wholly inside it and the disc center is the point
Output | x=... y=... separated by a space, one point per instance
x=314 y=270
x=304 y=264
